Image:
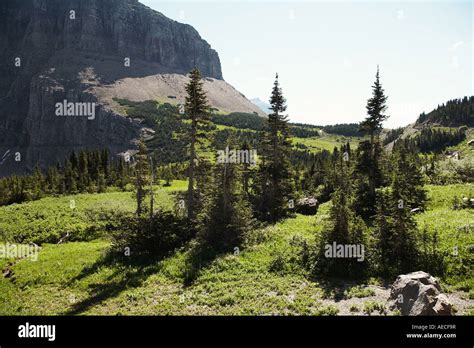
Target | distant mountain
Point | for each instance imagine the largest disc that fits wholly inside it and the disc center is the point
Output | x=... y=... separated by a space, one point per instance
x=453 y=113
x=86 y=53
x=264 y=106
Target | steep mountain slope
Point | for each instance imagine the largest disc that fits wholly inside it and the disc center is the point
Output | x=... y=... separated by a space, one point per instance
x=59 y=50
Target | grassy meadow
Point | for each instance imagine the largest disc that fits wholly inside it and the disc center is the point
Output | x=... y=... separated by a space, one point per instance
x=264 y=278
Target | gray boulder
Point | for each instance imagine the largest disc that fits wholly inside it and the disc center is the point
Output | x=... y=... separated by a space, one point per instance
x=419 y=293
x=307 y=206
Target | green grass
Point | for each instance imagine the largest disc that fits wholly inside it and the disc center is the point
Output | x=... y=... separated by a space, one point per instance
x=373 y=306
x=326 y=142
x=466 y=151
x=48 y=219
x=359 y=292
x=62 y=281
x=455 y=229
x=70 y=278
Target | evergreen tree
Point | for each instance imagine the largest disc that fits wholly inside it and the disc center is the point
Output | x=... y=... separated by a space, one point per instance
x=83 y=172
x=364 y=204
x=69 y=178
x=396 y=229
x=376 y=107
x=227 y=217
x=197 y=111
x=383 y=231
x=343 y=228
x=274 y=185
x=368 y=170
x=74 y=161
x=245 y=171
x=121 y=175
x=101 y=183
x=409 y=178
x=167 y=175
x=142 y=177
x=52 y=181
x=37 y=183
x=104 y=159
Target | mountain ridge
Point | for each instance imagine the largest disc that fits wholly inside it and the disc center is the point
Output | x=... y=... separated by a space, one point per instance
x=62 y=49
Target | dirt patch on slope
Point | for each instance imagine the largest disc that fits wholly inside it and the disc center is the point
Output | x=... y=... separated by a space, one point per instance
x=171 y=88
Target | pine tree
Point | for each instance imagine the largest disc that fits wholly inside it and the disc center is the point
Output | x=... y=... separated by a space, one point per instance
x=383 y=231
x=52 y=181
x=37 y=183
x=395 y=226
x=245 y=171
x=343 y=228
x=365 y=205
x=197 y=111
x=74 y=161
x=227 y=216
x=167 y=175
x=368 y=171
x=274 y=185
x=83 y=172
x=142 y=177
x=409 y=177
x=376 y=107
x=104 y=159
x=69 y=178
x=101 y=183
x=121 y=175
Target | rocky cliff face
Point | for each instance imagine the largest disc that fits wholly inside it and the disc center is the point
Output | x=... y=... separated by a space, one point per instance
x=51 y=50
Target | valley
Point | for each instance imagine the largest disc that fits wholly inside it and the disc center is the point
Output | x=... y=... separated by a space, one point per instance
x=147 y=184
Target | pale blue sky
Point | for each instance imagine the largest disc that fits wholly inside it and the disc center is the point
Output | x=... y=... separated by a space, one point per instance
x=326 y=53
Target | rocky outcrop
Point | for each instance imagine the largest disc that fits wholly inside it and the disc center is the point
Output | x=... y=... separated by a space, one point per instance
x=307 y=206
x=58 y=49
x=418 y=293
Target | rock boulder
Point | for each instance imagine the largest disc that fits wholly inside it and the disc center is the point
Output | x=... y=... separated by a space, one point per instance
x=419 y=293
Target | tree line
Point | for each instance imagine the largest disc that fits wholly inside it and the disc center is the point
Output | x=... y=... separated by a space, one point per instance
x=87 y=171
x=453 y=113
x=433 y=140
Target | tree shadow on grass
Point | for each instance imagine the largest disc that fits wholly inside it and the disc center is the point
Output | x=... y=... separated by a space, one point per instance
x=199 y=258
x=126 y=274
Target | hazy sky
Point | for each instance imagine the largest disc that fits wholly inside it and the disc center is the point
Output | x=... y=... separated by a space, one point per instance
x=326 y=53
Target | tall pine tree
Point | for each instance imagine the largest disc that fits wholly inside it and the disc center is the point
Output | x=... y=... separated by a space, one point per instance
x=395 y=227
x=274 y=184
x=227 y=216
x=197 y=111
x=343 y=228
x=142 y=177
x=368 y=173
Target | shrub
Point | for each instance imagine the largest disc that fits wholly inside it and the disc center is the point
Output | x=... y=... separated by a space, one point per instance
x=294 y=259
x=372 y=306
x=155 y=236
x=359 y=292
x=278 y=263
x=354 y=308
